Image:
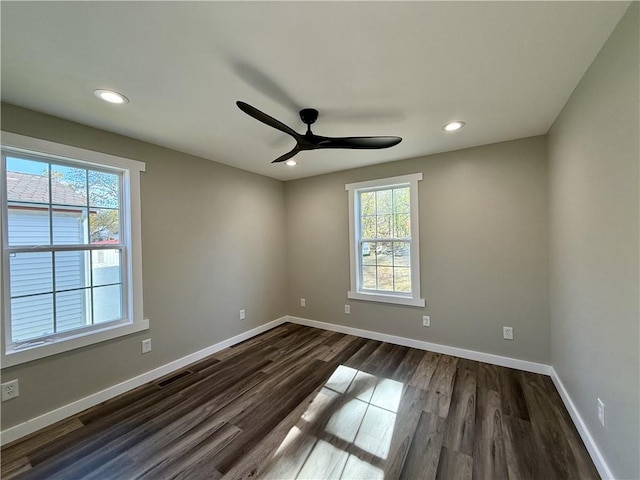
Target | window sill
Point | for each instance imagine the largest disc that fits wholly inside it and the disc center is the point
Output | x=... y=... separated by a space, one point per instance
x=393 y=299
x=24 y=355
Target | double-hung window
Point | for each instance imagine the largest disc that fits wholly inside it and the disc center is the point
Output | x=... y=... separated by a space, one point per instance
x=71 y=261
x=384 y=245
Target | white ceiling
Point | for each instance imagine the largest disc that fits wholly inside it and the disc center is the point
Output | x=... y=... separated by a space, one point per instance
x=370 y=68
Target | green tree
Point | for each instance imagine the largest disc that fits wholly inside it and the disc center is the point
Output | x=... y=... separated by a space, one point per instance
x=103 y=198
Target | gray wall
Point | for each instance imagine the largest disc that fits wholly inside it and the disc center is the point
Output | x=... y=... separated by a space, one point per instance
x=212 y=243
x=594 y=245
x=544 y=238
x=483 y=249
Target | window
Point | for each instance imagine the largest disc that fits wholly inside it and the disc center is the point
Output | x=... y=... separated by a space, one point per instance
x=71 y=260
x=384 y=245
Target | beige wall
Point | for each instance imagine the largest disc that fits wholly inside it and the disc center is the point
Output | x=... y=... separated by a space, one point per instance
x=212 y=240
x=594 y=245
x=483 y=251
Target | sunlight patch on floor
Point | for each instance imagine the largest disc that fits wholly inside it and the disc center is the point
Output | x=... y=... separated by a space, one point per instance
x=346 y=431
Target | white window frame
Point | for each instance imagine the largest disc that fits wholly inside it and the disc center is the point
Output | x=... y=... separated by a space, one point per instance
x=356 y=291
x=133 y=320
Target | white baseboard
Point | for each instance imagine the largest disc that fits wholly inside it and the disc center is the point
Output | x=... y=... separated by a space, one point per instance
x=592 y=448
x=23 y=429
x=432 y=347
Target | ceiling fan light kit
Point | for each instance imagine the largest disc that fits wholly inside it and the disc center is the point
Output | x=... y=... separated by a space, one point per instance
x=311 y=141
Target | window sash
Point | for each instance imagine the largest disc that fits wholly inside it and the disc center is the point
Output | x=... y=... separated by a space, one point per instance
x=51 y=205
x=14 y=344
x=393 y=265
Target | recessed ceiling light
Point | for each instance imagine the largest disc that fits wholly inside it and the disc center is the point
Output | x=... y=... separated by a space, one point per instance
x=110 y=96
x=291 y=163
x=453 y=126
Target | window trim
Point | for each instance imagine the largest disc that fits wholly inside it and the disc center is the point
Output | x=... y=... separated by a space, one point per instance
x=135 y=321
x=355 y=291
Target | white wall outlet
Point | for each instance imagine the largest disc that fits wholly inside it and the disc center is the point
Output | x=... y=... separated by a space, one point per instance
x=10 y=390
x=303 y=302
x=426 y=321
x=600 y=412
x=146 y=345
x=507 y=333
x=242 y=314
x=347 y=309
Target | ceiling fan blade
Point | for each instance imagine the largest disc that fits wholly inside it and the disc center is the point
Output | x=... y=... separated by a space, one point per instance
x=266 y=119
x=288 y=155
x=359 y=142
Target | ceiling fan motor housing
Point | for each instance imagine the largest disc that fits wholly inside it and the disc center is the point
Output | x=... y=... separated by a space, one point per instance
x=308 y=115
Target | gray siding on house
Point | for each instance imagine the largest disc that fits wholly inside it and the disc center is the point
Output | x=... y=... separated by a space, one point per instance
x=32 y=316
x=28 y=227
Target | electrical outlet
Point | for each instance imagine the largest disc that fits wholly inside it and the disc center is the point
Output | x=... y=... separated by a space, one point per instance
x=146 y=345
x=507 y=333
x=303 y=302
x=242 y=315
x=426 y=321
x=10 y=390
x=347 y=309
x=601 y=412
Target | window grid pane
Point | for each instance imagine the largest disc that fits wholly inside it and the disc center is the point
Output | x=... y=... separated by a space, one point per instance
x=72 y=310
x=104 y=190
x=71 y=270
x=53 y=204
x=31 y=317
x=104 y=226
x=30 y=273
x=68 y=185
x=28 y=224
x=107 y=303
x=69 y=225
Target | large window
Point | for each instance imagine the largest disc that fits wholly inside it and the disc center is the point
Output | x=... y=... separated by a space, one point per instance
x=70 y=238
x=383 y=220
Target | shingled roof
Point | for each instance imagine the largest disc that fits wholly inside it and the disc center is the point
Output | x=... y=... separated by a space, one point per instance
x=27 y=187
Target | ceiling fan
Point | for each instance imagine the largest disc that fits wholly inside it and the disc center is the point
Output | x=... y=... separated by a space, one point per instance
x=310 y=141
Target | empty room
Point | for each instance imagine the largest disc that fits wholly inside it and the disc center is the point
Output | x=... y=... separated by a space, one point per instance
x=342 y=240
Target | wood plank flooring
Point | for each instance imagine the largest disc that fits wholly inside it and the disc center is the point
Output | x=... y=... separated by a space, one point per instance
x=298 y=402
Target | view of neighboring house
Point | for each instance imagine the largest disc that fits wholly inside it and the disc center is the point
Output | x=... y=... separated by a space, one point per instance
x=32 y=300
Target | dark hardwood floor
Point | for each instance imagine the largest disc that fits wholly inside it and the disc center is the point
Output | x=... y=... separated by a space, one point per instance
x=298 y=402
